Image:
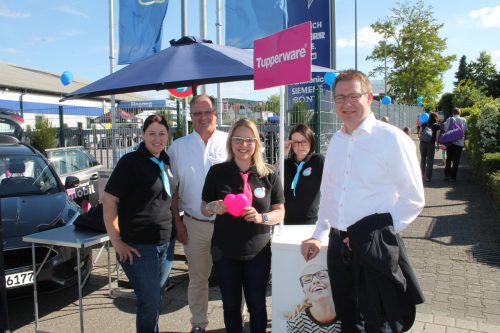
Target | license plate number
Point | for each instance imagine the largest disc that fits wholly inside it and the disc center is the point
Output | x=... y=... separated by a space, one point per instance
x=19 y=279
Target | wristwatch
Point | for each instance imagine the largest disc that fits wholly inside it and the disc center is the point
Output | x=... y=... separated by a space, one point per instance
x=265 y=219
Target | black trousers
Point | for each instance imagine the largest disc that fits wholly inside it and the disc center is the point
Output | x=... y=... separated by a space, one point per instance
x=340 y=272
x=453 y=153
x=342 y=280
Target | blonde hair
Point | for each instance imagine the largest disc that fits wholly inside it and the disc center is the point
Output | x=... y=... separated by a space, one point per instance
x=263 y=169
x=354 y=75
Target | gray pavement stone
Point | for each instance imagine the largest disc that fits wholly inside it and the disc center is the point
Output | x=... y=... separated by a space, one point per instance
x=456 y=330
x=467 y=324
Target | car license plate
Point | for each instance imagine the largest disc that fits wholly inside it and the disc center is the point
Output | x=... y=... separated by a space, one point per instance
x=19 y=279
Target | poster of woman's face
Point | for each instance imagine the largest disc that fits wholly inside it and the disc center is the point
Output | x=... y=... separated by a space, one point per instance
x=302 y=295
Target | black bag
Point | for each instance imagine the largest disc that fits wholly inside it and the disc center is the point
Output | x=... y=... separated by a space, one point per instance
x=426 y=134
x=92 y=220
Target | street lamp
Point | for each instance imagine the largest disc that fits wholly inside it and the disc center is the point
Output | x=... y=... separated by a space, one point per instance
x=355 y=34
x=385 y=67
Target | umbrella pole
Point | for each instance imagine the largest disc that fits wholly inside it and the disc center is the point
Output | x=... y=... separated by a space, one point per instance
x=195 y=92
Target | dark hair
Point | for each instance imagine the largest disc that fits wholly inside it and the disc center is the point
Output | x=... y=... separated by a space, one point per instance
x=307 y=132
x=433 y=118
x=197 y=97
x=155 y=118
x=456 y=111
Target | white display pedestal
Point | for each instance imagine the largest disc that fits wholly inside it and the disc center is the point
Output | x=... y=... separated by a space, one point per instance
x=287 y=267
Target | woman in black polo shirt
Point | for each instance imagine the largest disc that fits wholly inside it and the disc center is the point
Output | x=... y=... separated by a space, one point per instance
x=241 y=246
x=303 y=171
x=138 y=220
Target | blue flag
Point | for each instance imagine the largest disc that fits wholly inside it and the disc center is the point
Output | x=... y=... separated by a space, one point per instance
x=140 y=28
x=247 y=20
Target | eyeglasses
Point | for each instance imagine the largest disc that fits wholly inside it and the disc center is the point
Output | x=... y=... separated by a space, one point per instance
x=198 y=114
x=239 y=140
x=308 y=278
x=354 y=97
x=300 y=143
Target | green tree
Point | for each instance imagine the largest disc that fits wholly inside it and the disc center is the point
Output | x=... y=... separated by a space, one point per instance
x=489 y=125
x=301 y=113
x=495 y=86
x=272 y=103
x=484 y=73
x=446 y=104
x=414 y=49
x=43 y=136
x=466 y=94
x=463 y=72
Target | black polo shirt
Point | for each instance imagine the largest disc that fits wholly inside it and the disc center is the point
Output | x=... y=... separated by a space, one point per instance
x=144 y=214
x=233 y=237
x=303 y=207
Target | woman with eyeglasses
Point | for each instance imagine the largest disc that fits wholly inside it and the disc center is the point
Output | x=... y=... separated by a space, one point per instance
x=317 y=311
x=241 y=243
x=303 y=171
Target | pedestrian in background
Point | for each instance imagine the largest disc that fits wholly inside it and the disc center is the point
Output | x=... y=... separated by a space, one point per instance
x=428 y=148
x=192 y=156
x=303 y=171
x=371 y=190
x=137 y=216
x=454 y=150
x=241 y=242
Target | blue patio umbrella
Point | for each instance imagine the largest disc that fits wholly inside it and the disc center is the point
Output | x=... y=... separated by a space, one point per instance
x=189 y=61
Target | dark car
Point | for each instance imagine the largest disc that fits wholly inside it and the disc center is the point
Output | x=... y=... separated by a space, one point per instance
x=11 y=123
x=33 y=199
x=77 y=162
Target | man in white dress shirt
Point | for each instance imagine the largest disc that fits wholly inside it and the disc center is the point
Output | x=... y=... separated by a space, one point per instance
x=371 y=168
x=191 y=157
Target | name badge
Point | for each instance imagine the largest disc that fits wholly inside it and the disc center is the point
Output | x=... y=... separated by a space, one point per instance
x=259 y=192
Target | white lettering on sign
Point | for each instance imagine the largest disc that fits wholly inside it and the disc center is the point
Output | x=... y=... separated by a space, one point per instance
x=317 y=25
x=83 y=191
x=281 y=57
x=309 y=99
x=303 y=90
x=318 y=35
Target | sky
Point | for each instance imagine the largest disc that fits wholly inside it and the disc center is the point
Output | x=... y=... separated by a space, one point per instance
x=73 y=35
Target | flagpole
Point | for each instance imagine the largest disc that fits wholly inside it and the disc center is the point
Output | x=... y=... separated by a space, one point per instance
x=218 y=27
x=203 y=28
x=333 y=45
x=111 y=70
x=184 y=33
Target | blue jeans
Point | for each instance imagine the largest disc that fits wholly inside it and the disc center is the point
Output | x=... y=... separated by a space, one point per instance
x=148 y=275
x=167 y=268
x=251 y=275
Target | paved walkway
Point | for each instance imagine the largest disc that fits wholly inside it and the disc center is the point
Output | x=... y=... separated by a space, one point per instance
x=454 y=246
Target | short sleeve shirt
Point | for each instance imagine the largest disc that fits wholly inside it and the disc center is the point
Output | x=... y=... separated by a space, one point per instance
x=144 y=214
x=233 y=237
x=302 y=206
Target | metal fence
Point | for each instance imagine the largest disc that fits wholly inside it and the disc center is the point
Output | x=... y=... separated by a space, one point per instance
x=80 y=126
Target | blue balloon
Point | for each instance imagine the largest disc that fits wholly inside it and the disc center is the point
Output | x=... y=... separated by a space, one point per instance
x=419 y=99
x=66 y=78
x=420 y=103
x=424 y=117
x=330 y=78
x=386 y=100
